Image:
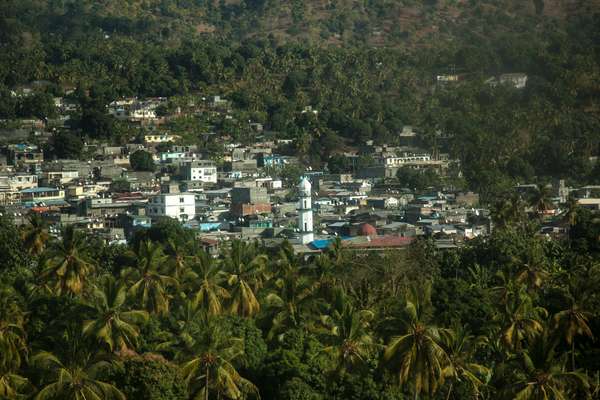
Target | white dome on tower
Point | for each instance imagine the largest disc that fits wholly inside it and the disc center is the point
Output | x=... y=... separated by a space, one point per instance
x=304 y=186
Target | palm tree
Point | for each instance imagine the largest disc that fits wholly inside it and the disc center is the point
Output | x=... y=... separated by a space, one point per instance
x=245 y=272
x=540 y=200
x=508 y=210
x=461 y=348
x=521 y=321
x=178 y=261
x=350 y=340
x=35 y=235
x=287 y=262
x=13 y=385
x=572 y=211
x=188 y=317
x=336 y=252
x=68 y=267
x=112 y=325
x=532 y=272
x=13 y=346
x=540 y=375
x=291 y=298
x=149 y=284
x=210 y=294
x=326 y=270
x=573 y=322
x=74 y=381
x=210 y=371
x=418 y=355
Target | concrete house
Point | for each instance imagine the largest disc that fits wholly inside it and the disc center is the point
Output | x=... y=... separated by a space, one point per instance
x=201 y=170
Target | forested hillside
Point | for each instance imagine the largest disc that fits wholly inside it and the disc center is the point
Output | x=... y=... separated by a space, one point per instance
x=368 y=67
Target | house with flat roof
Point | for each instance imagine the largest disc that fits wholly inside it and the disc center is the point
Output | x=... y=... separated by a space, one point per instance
x=43 y=195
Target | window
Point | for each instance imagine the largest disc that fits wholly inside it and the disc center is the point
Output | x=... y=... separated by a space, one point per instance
x=181 y=200
x=181 y=210
x=305 y=227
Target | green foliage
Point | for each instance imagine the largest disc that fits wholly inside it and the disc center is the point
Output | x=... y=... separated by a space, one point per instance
x=297 y=389
x=255 y=349
x=12 y=253
x=141 y=160
x=510 y=315
x=418 y=179
x=39 y=105
x=585 y=234
x=97 y=124
x=338 y=164
x=149 y=377
x=268 y=59
x=120 y=185
x=164 y=231
x=66 y=145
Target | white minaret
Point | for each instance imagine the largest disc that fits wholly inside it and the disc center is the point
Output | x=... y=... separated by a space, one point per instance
x=305 y=215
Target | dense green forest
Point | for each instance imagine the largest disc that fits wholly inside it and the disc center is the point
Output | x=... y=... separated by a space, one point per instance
x=512 y=316
x=272 y=59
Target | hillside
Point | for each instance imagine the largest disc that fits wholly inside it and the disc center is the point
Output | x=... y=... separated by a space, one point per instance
x=369 y=67
x=395 y=23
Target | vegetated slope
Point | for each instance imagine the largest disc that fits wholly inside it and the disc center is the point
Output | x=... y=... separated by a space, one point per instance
x=343 y=22
x=368 y=67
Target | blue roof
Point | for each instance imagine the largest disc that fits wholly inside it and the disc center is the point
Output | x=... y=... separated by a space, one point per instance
x=40 y=190
x=209 y=226
x=322 y=244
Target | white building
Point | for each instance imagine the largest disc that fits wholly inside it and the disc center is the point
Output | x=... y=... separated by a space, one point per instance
x=181 y=206
x=305 y=214
x=518 y=80
x=61 y=177
x=405 y=159
x=201 y=170
x=160 y=138
x=19 y=181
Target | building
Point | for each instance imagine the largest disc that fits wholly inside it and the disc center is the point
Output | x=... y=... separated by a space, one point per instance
x=104 y=206
x=46 y=195
x=180 y=206
x=273 y=160
x=305 y=215
x=19 y=181
x=24 y=154
x=517 y=80
x=404 y=160
x=158 y=138
x=383 y=202
x=250 y=201
x=59 y=177
x=589 y=203
x=202 y=170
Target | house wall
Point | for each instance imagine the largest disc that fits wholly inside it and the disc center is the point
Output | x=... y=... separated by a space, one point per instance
x=181 y=206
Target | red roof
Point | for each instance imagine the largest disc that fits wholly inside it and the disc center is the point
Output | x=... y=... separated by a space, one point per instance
x=209 y=242
x=386 y=241
x=367 y=230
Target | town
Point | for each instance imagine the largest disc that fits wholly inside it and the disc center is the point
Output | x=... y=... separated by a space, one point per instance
x=252 y=191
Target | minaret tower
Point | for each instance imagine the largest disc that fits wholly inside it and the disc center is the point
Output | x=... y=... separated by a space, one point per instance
x=305 y=215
